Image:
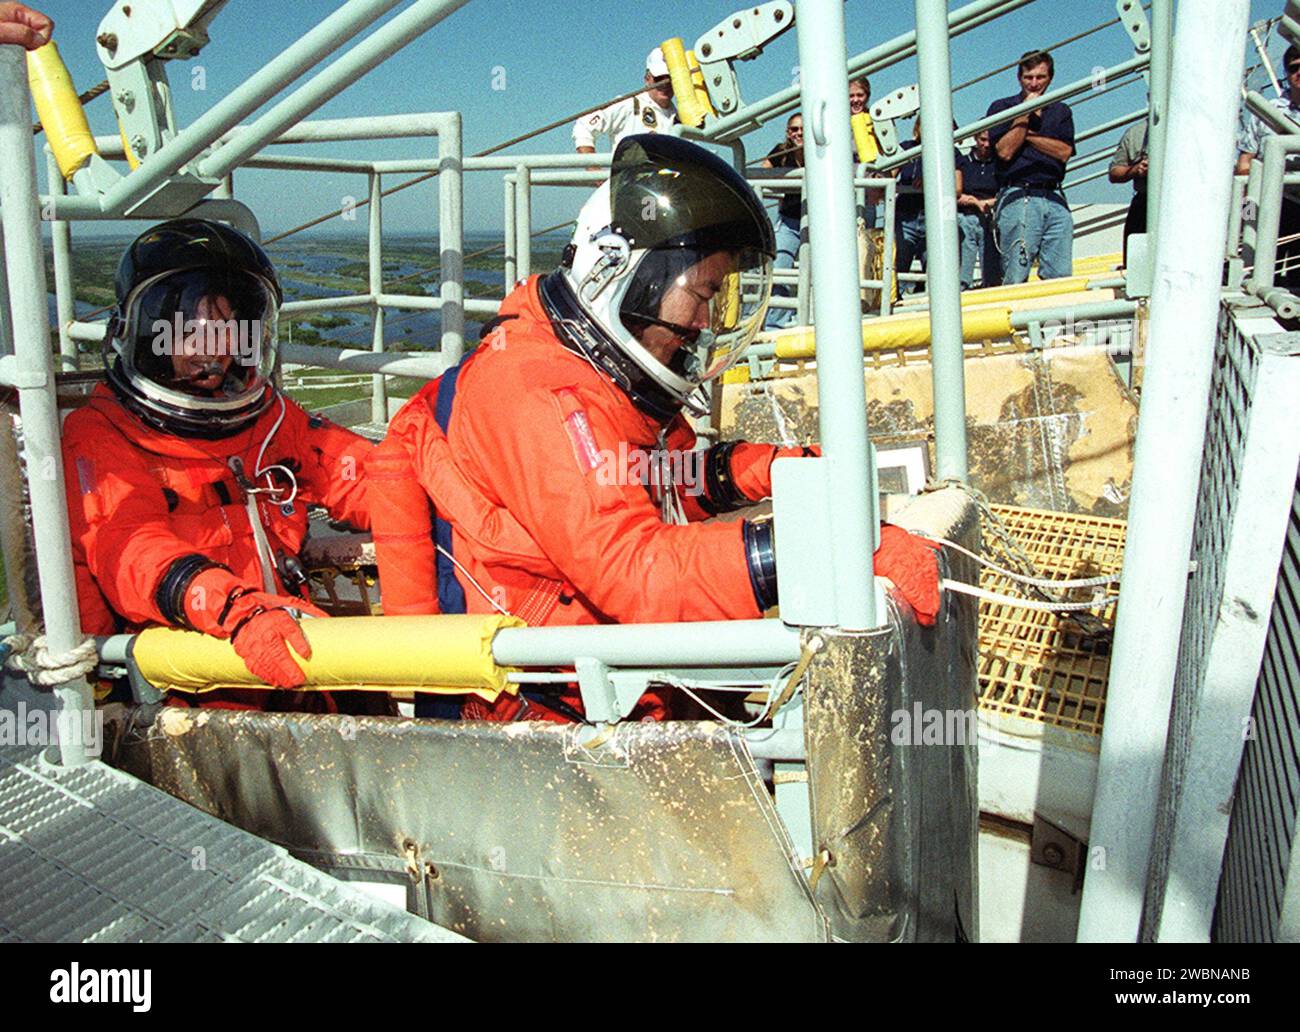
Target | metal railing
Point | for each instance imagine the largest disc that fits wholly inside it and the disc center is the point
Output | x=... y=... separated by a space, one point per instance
x=832 y=267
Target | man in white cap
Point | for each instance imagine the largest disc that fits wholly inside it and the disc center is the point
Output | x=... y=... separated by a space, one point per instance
x=648 y=112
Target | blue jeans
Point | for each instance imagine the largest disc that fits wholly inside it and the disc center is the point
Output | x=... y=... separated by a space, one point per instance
x=909 y=243
x=1034 y=225
x=978 y=241
x=787 y=246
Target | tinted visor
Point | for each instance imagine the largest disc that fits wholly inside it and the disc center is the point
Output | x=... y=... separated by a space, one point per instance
x=665 y=191
x=204 y=334
x=708 y=276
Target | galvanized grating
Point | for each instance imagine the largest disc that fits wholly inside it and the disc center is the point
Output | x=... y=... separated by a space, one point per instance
x=1040 y=666
x=1259 y=891
x=96 y=855
x=1232 y=389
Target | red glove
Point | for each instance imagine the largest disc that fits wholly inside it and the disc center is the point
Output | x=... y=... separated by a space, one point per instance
x=263 y=640
x=911 y=562
x=257 y=623
x=751 y=466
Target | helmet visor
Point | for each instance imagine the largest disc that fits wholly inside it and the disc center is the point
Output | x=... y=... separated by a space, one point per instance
x=697 y=312
x=207 y=337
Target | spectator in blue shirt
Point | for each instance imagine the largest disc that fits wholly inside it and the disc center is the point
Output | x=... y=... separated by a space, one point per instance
x=909 y=213
x=1033 y=219
x=975 y=201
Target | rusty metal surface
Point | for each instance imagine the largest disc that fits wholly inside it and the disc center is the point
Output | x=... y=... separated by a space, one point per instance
x=505 y=831
x=894 y=813
x=1046 y=430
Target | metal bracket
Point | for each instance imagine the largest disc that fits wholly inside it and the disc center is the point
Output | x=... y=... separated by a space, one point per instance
x=1139 y=269
x=803 y=493
x=738 y=37
x=607 y=696
x=801 y=507
x=133 y=41
x=900 y=104
x=1134 y=19
x=1052 y=846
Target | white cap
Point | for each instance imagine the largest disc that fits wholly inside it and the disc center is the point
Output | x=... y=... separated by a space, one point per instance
x=655 y=64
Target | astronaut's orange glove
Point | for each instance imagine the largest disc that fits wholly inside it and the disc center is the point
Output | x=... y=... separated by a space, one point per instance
x=912 y=563
x=751 y=466
x=263 y=641
x=259 y=625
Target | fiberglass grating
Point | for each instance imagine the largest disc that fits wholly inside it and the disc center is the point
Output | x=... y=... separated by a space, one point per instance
x=1042 y=666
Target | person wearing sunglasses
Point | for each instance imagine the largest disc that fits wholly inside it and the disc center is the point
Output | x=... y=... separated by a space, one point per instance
x=552 y=474
x=1251 y=132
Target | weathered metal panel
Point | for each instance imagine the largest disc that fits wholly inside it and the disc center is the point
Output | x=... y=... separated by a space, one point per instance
x=1048 y=430
x=506 y=832
x=895 y=810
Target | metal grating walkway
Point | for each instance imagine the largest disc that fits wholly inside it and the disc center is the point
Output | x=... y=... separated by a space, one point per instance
x=94 y=855
x=1041 y=666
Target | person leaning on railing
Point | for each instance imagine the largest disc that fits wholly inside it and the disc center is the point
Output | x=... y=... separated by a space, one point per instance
x=1130 y=165
x=1251 y=132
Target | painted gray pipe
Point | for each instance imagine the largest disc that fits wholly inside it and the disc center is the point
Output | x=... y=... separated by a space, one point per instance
x=34 y=362
x=943 y=271
x=1209 y=50
x=841 y=415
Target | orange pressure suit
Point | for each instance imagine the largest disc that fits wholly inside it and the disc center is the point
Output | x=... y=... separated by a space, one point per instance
x=148 y=508
x=537 y=498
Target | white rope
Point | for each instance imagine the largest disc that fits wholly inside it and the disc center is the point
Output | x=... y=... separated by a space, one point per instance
x=477 y=586
x=33 y=658
x=1040 y=582
x=963 y=588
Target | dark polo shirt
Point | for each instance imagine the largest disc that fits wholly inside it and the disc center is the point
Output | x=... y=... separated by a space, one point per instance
x=1030 y=166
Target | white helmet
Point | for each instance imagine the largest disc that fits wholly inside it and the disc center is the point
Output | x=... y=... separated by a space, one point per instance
x=669 y=273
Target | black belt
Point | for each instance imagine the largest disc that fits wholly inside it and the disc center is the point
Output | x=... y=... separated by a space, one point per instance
x=1034 y=188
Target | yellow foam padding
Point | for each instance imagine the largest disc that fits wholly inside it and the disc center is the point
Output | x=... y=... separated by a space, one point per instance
x=697 y=80
x=736 y=374
x=689 y=111
x=131 y=159
x=907 y=330
x=1097 y=263
x=440 y=654
x=1020 y=291
x=864 y=136
x=59 y=110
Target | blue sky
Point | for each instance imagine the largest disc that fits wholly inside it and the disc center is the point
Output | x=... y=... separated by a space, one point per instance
x=558 y=58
